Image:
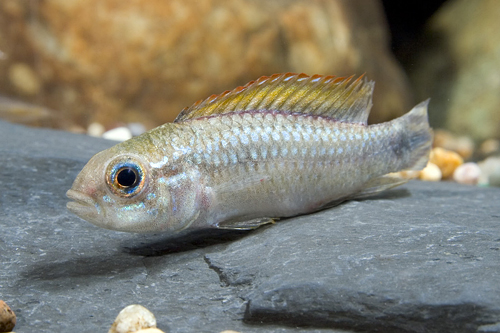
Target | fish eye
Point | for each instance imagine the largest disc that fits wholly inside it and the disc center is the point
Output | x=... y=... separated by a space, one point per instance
x=125 y=178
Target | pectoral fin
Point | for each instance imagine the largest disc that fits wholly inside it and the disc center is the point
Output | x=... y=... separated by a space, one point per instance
x=245 y=225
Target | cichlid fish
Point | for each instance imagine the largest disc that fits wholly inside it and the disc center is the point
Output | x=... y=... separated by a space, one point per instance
x=279 y=146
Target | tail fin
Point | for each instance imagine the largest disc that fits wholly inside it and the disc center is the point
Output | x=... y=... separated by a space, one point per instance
x=419 y=136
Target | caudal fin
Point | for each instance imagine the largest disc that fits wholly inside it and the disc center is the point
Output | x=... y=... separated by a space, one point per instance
x=419 y=136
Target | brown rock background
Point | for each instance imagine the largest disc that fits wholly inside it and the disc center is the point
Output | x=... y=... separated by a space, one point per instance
x=112 y=61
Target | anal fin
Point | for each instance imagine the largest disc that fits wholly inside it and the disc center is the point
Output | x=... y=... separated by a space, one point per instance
x=334 y=203
x=377 y=185
x=245 y=225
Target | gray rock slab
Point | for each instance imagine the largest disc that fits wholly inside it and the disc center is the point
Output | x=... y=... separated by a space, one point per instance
x=421 y=258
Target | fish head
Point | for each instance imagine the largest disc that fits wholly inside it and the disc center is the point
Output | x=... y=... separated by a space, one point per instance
x=122 y=190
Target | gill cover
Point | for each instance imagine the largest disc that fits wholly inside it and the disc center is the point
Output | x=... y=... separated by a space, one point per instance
x=146 y=198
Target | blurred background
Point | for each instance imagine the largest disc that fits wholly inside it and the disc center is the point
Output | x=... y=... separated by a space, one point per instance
x=91 y=66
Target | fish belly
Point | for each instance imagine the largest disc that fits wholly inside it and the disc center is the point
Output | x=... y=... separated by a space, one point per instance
x=273 y=165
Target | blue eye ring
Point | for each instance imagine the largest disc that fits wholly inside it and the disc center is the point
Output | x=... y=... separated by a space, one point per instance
x=125 y=178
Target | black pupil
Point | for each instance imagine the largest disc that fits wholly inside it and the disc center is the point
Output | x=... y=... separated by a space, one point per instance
x=126 y=177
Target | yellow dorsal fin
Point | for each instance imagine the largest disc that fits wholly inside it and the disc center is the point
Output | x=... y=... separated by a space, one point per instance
x=291 y=93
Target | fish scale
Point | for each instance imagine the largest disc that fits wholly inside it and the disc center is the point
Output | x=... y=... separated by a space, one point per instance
x=279 y=146
x=287 y=145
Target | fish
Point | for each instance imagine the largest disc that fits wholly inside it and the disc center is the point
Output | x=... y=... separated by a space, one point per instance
x=280 y=146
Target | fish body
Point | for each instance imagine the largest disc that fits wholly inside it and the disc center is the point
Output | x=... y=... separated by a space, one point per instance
x=280 y=146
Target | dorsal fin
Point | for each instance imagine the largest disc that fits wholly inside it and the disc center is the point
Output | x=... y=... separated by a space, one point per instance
x=292 y=93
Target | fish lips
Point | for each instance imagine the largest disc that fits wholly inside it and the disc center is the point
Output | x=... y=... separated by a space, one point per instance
x=82 y=205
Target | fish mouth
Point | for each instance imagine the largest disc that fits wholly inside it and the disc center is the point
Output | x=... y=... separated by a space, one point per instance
x=82 y=205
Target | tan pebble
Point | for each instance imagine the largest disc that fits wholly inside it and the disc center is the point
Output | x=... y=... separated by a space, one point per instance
x=446 y=160
x=96 y=129
x=431 y=173
x=462 y=145
x=489 y=146
x=229 y=331
x=150 y=330
x=406 y=174
x=132 y=319
x=442 y=137
x=24 y=79
x=7 y=318
x=467 y=173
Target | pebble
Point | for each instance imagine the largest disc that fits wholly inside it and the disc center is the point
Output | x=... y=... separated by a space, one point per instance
x=431 y=173
x=490 y=171
x=467 y=173
x=136 y=128
x=7 y=318
x=446 y=160
x=406 y=174
x=494 y=178
x=24 y=79
x=96 y=130
x=463 y=145
x=489 y=147
x=150 y=330
x=133 y=318
x=118 y=134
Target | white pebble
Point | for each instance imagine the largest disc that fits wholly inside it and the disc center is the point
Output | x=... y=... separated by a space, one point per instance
x=96 y=129
x=136 y=128
x=431 y=173
x=132 y=319
x=494 y=178
x=467 y=173
x=118 y=134
x=490 y=166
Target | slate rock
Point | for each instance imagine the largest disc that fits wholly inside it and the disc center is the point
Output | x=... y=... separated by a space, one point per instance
x=417 y=259
x=60 y=273
x=421 y=258
x=411 y=261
